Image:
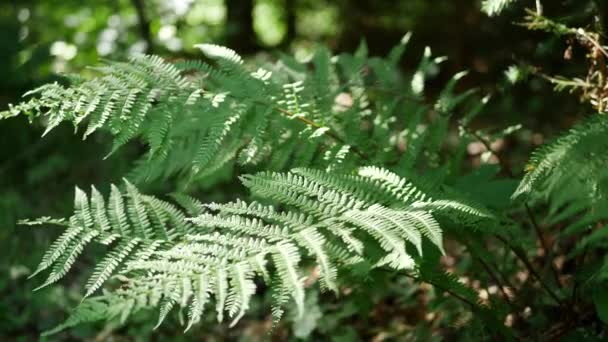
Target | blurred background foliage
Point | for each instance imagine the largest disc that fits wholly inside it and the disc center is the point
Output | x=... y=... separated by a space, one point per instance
x=41 y=39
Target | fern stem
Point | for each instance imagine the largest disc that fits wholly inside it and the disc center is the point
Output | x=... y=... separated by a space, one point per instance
x=329 y=133
x=494 y=277
x=444 y=289
x=543 y=242
x=506 y=169
x=491 y=273
x=522 y=256
x=578 y=263
x=503 y=164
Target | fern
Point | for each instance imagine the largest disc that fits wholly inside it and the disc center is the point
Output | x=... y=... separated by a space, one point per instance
x=495 y=7
x=309 y=128
x=554 y=164
x=198 y=119
x=166 y=260
x=136 y=224
x=348 y=169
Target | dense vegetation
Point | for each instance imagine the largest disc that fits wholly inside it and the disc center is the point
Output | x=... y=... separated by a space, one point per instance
x=313 y=195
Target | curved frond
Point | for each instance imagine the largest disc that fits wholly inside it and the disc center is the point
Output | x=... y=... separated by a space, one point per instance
x=173 y=261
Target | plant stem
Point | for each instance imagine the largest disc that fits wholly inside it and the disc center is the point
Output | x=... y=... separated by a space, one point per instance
x=503 y=164
x=328 y=133
x=522 y=256
x=494 y=277
x=490 y=272
x=543 y=242
x=446 y=290
x=537 y=229
x=578 y=262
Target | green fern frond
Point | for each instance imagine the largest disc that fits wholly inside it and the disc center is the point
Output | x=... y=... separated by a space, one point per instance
x=220 y=52
x=198 y=119
x=218 y=254
x=123 y=220
x=495 y=7
x=553 y=163
x=108 y=265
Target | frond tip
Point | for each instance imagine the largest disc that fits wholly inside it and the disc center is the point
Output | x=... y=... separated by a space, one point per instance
x=495 y=7
x=106 y=223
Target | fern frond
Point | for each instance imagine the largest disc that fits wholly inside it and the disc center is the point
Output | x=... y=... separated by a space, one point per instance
x=232 y=244
x=124 y=220
x=220 y=52
x=106 y=267
x=197 y=118
x=495 y=7
x=554 y=162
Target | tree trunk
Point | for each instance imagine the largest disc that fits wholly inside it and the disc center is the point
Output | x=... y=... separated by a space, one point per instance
x=240 y=35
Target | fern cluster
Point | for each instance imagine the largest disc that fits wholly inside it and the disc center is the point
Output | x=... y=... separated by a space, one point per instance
x=164 y=259
x=314 y=128
x=196 y=118
x=342 y=166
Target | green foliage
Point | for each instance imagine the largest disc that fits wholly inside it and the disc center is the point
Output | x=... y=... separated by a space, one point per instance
x=136 y=224
x=346 y=187
x=555 y=164
x=197 y=123
x=163 y=259
x=195 y=118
